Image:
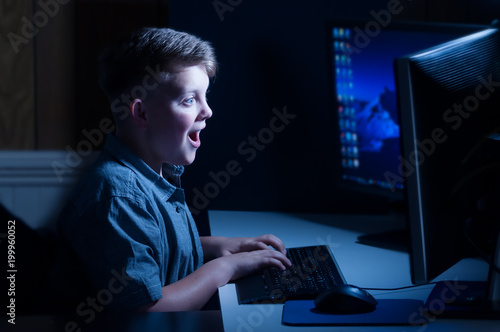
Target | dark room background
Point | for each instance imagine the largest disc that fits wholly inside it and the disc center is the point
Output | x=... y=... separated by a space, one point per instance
x=273 y=56
x=270 y=144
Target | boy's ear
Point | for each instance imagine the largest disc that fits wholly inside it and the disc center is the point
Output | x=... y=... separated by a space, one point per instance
x=138 y=113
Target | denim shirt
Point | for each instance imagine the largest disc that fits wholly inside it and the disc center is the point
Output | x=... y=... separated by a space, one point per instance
x=130 y=229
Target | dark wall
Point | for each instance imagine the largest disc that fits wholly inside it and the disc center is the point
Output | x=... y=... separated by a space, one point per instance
x=271 y=142
x=273 y=56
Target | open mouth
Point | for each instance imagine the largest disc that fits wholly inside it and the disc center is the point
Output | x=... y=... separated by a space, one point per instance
x=194 y=138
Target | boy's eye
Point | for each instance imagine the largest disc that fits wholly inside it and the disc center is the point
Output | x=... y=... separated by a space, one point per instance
x=189 y=101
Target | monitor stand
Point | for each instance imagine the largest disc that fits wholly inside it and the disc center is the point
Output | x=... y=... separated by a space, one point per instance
x=467 y=299
x=461 y=300
x=394 y=240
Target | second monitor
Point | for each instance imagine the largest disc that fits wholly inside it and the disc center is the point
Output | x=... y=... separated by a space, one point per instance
x=363 y=88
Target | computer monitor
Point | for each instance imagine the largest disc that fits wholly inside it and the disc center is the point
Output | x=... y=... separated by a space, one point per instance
x=449 y=102
x=361 y=57
x=363 y=91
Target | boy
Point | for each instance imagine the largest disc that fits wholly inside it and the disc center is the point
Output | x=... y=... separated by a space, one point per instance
x=129 y=238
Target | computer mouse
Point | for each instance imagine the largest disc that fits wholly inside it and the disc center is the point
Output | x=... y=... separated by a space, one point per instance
x=345 y=299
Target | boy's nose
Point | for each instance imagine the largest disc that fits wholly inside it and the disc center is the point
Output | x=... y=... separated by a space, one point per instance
x=206 y=112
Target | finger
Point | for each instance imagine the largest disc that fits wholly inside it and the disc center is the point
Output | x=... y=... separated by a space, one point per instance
x=277 y=258
x=282 y=263
x=273 y=241
x=257 y=245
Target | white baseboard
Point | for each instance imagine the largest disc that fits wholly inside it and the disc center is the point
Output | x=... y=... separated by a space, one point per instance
x=34 y=185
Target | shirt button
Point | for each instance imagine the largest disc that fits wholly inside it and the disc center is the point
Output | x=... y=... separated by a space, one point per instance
x=178 y=209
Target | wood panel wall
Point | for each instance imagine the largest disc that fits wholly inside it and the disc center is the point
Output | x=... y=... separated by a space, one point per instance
x=55 y=78
x=17 y=89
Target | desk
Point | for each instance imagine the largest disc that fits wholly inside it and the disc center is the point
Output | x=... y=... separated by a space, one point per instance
x=185 y=321
x=361 y=265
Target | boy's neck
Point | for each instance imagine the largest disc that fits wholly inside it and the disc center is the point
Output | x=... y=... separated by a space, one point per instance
x=135 y=144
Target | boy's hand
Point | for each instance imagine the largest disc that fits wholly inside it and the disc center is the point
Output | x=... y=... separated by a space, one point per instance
x=245 y=263
x=244 y=244
x=218 y=246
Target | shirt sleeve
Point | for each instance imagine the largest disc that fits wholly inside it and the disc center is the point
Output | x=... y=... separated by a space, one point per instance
x=118 y=243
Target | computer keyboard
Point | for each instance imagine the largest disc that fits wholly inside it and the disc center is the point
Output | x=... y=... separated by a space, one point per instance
x=313 y=270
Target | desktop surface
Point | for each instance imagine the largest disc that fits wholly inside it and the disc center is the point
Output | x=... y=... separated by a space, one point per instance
x=183 y=321
x=362 y=265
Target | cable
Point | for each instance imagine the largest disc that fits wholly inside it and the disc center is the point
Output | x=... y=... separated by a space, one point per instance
x=399 y=288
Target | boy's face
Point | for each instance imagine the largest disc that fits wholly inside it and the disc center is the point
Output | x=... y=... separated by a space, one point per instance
x=177 y=111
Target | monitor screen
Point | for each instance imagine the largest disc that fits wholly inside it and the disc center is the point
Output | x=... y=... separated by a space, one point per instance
x=449 y=97
x=364 y=97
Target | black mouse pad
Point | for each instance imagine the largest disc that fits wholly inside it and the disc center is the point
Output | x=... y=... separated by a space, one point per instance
x=387 y=312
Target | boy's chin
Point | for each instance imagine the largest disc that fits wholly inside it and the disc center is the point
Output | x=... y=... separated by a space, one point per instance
x=183 y=159
x=188 y=160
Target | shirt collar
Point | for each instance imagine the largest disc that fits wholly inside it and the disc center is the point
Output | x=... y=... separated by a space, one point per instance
x=173 y=173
